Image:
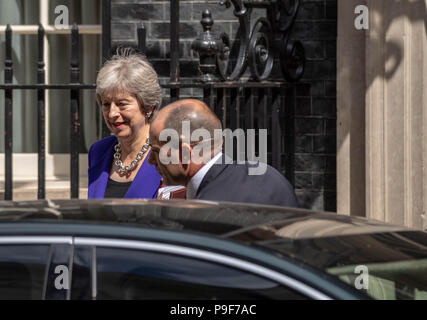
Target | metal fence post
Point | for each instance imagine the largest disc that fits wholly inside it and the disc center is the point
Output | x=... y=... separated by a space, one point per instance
x=41 y=118
x=106 y=45
x=8 y=124
x=74 y=113
x=141 y=32
x=174 y=47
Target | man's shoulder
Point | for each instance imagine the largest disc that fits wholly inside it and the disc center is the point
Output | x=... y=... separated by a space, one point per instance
x=237 y=182
x=255 y=169
x=258 y=173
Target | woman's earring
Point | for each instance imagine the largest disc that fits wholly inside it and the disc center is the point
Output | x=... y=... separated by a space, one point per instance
x=148 y=115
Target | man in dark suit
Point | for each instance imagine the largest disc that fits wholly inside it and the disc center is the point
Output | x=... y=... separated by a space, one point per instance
x=185 y=153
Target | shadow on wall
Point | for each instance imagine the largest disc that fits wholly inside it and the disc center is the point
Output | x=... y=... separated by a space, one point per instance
x=385 y=66
x=394 y=53
x=414 y=11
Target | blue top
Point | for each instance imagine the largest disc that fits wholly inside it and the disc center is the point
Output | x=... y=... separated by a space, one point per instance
x=144 y=185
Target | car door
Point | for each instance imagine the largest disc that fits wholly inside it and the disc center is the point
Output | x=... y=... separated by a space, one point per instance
x=34 y=267
x=129 y=269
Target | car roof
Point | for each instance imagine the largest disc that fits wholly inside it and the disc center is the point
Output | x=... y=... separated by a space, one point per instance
x=208 y=217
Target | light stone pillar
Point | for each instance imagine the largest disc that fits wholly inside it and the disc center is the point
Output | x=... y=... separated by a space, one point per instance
x=395 y=126
x=395 y=57
x=424 y=89
x=351 y=90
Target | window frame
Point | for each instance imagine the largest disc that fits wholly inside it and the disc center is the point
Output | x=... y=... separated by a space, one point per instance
x=57 y=165
x=44 y=240
x=207 y=256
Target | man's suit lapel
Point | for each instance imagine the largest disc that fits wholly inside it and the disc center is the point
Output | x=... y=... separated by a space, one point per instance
x=212 y=174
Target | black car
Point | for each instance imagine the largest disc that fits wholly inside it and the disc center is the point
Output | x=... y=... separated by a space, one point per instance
x=147 y=249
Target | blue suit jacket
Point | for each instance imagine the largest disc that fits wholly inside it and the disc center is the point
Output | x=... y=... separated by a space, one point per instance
x=144 y=185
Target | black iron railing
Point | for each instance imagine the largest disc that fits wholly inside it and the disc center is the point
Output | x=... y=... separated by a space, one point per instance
x=41 y=118
x=255 y=104
x=74 y=86
x=8 y=103
x=258 y=44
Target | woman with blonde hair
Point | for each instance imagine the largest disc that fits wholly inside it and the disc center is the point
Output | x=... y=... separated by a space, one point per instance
x=128 y=92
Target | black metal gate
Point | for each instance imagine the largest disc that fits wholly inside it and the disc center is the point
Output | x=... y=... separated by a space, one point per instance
x=257 y=103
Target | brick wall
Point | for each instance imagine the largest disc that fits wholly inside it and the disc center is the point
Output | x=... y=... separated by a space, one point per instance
x=315 y=101
x=315 y=110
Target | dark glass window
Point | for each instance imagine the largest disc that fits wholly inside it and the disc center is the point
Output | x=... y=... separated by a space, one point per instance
x=81 y=285
x=134 y=274
x=58 y=276
x=394 y=263
x=22 y=271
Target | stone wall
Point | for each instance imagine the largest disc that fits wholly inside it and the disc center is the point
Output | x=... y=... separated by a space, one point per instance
x=382 y=122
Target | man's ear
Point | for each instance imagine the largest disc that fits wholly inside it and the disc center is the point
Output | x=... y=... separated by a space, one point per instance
x=185 y=157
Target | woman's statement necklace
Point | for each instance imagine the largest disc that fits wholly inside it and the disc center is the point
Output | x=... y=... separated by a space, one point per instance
x=118 y=155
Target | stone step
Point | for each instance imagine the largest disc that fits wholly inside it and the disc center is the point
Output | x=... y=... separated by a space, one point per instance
x=55 y=189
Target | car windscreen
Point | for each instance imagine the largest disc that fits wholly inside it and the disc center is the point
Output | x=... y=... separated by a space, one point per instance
x=389 y=265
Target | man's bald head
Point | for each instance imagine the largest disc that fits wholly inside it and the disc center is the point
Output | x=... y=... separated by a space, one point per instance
x=178 y=158
x=197 y=113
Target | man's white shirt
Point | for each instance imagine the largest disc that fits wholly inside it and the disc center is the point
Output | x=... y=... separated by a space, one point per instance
x=196 y=180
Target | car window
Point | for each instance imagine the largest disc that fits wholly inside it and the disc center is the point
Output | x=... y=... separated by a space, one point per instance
x=403 y=280
x=386 y=265
x=135 y=274
x=22 y=271
x=58 y=276
x=81 y=284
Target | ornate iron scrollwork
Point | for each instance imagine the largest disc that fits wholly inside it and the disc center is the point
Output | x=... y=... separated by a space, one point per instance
x=208 y=47
x=259 y=43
